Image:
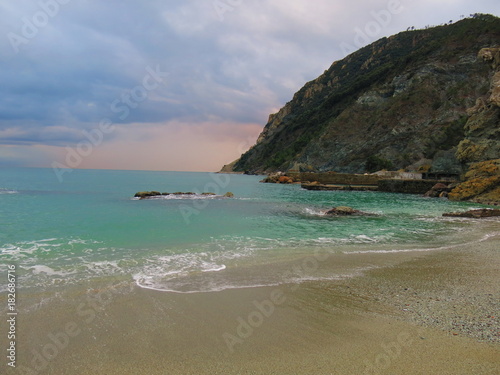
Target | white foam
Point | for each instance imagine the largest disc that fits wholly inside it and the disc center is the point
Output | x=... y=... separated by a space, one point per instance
x=162 y=288
x=354 y=239
x=208 y=286
x=103 y=267
x=314 y=212
x=39 y=268
x=160 y=270
x=448 y=247
x=7 y=191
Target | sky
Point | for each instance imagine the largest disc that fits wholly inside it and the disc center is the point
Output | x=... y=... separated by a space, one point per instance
x=180 y=85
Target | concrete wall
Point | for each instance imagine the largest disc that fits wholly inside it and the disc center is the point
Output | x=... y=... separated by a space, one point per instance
x=331 y=178
x=406 y=186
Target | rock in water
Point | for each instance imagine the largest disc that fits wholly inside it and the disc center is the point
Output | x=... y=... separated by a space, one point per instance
x=342 y=211
x=146 y=194
x=475 y=214
x=152 y=194
x=285 y=180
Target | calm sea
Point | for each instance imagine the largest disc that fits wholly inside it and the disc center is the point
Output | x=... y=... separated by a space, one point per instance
x=90 y=226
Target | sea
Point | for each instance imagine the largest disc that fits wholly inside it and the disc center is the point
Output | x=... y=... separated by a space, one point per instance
x=60 y=231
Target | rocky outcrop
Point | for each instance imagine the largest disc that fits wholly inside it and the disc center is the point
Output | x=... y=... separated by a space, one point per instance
x=490 y=55
x=157 y=194
x=278 y=178
x=495 y=89
x=274 y=122
x=343 y=211
x=475 y=214
x=482 y=183
x=440 y=190
x=481 y=147
x=392 y=105
x=229 y=168
x=147 y=194
x=482 y=130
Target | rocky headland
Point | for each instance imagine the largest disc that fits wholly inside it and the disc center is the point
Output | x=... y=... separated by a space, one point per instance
x=425 y=101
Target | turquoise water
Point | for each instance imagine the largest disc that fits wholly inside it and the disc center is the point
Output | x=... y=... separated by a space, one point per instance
x=90 y=226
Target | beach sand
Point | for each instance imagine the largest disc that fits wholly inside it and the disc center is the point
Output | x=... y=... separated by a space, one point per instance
x=426 y=312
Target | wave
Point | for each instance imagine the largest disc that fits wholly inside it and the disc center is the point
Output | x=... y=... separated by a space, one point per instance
x=486 y=237
x=224 y=263
x=42 y=269
x=26 y=249
x=217 y=281
x=165 y=270
x=8 y=191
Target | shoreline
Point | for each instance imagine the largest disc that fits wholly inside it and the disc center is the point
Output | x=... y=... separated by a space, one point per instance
x=406 y=312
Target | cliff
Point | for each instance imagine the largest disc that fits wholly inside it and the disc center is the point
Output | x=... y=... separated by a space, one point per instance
x=419 y=100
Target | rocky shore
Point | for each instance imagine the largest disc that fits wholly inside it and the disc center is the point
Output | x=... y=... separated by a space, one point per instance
x=474 y=214
x=456 y=291
x=481 y=184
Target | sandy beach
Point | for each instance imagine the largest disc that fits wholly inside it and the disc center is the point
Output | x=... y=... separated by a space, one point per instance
x=414 y=312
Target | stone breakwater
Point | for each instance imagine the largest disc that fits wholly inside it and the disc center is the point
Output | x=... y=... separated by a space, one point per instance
x=411 y=186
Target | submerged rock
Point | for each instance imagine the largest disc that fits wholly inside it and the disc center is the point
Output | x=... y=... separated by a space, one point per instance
x=343 y=211
x=146 y=194
x=475 y=214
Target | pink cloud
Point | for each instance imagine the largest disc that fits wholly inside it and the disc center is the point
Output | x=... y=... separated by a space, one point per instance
x=174 y=146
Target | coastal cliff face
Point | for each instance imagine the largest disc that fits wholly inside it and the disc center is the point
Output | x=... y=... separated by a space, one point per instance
x=480 y=150
x=420 y=100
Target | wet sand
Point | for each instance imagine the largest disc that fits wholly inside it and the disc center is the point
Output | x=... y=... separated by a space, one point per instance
x=412 y=312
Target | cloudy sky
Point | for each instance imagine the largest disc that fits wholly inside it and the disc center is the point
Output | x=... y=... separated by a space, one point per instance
x=173 y=84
